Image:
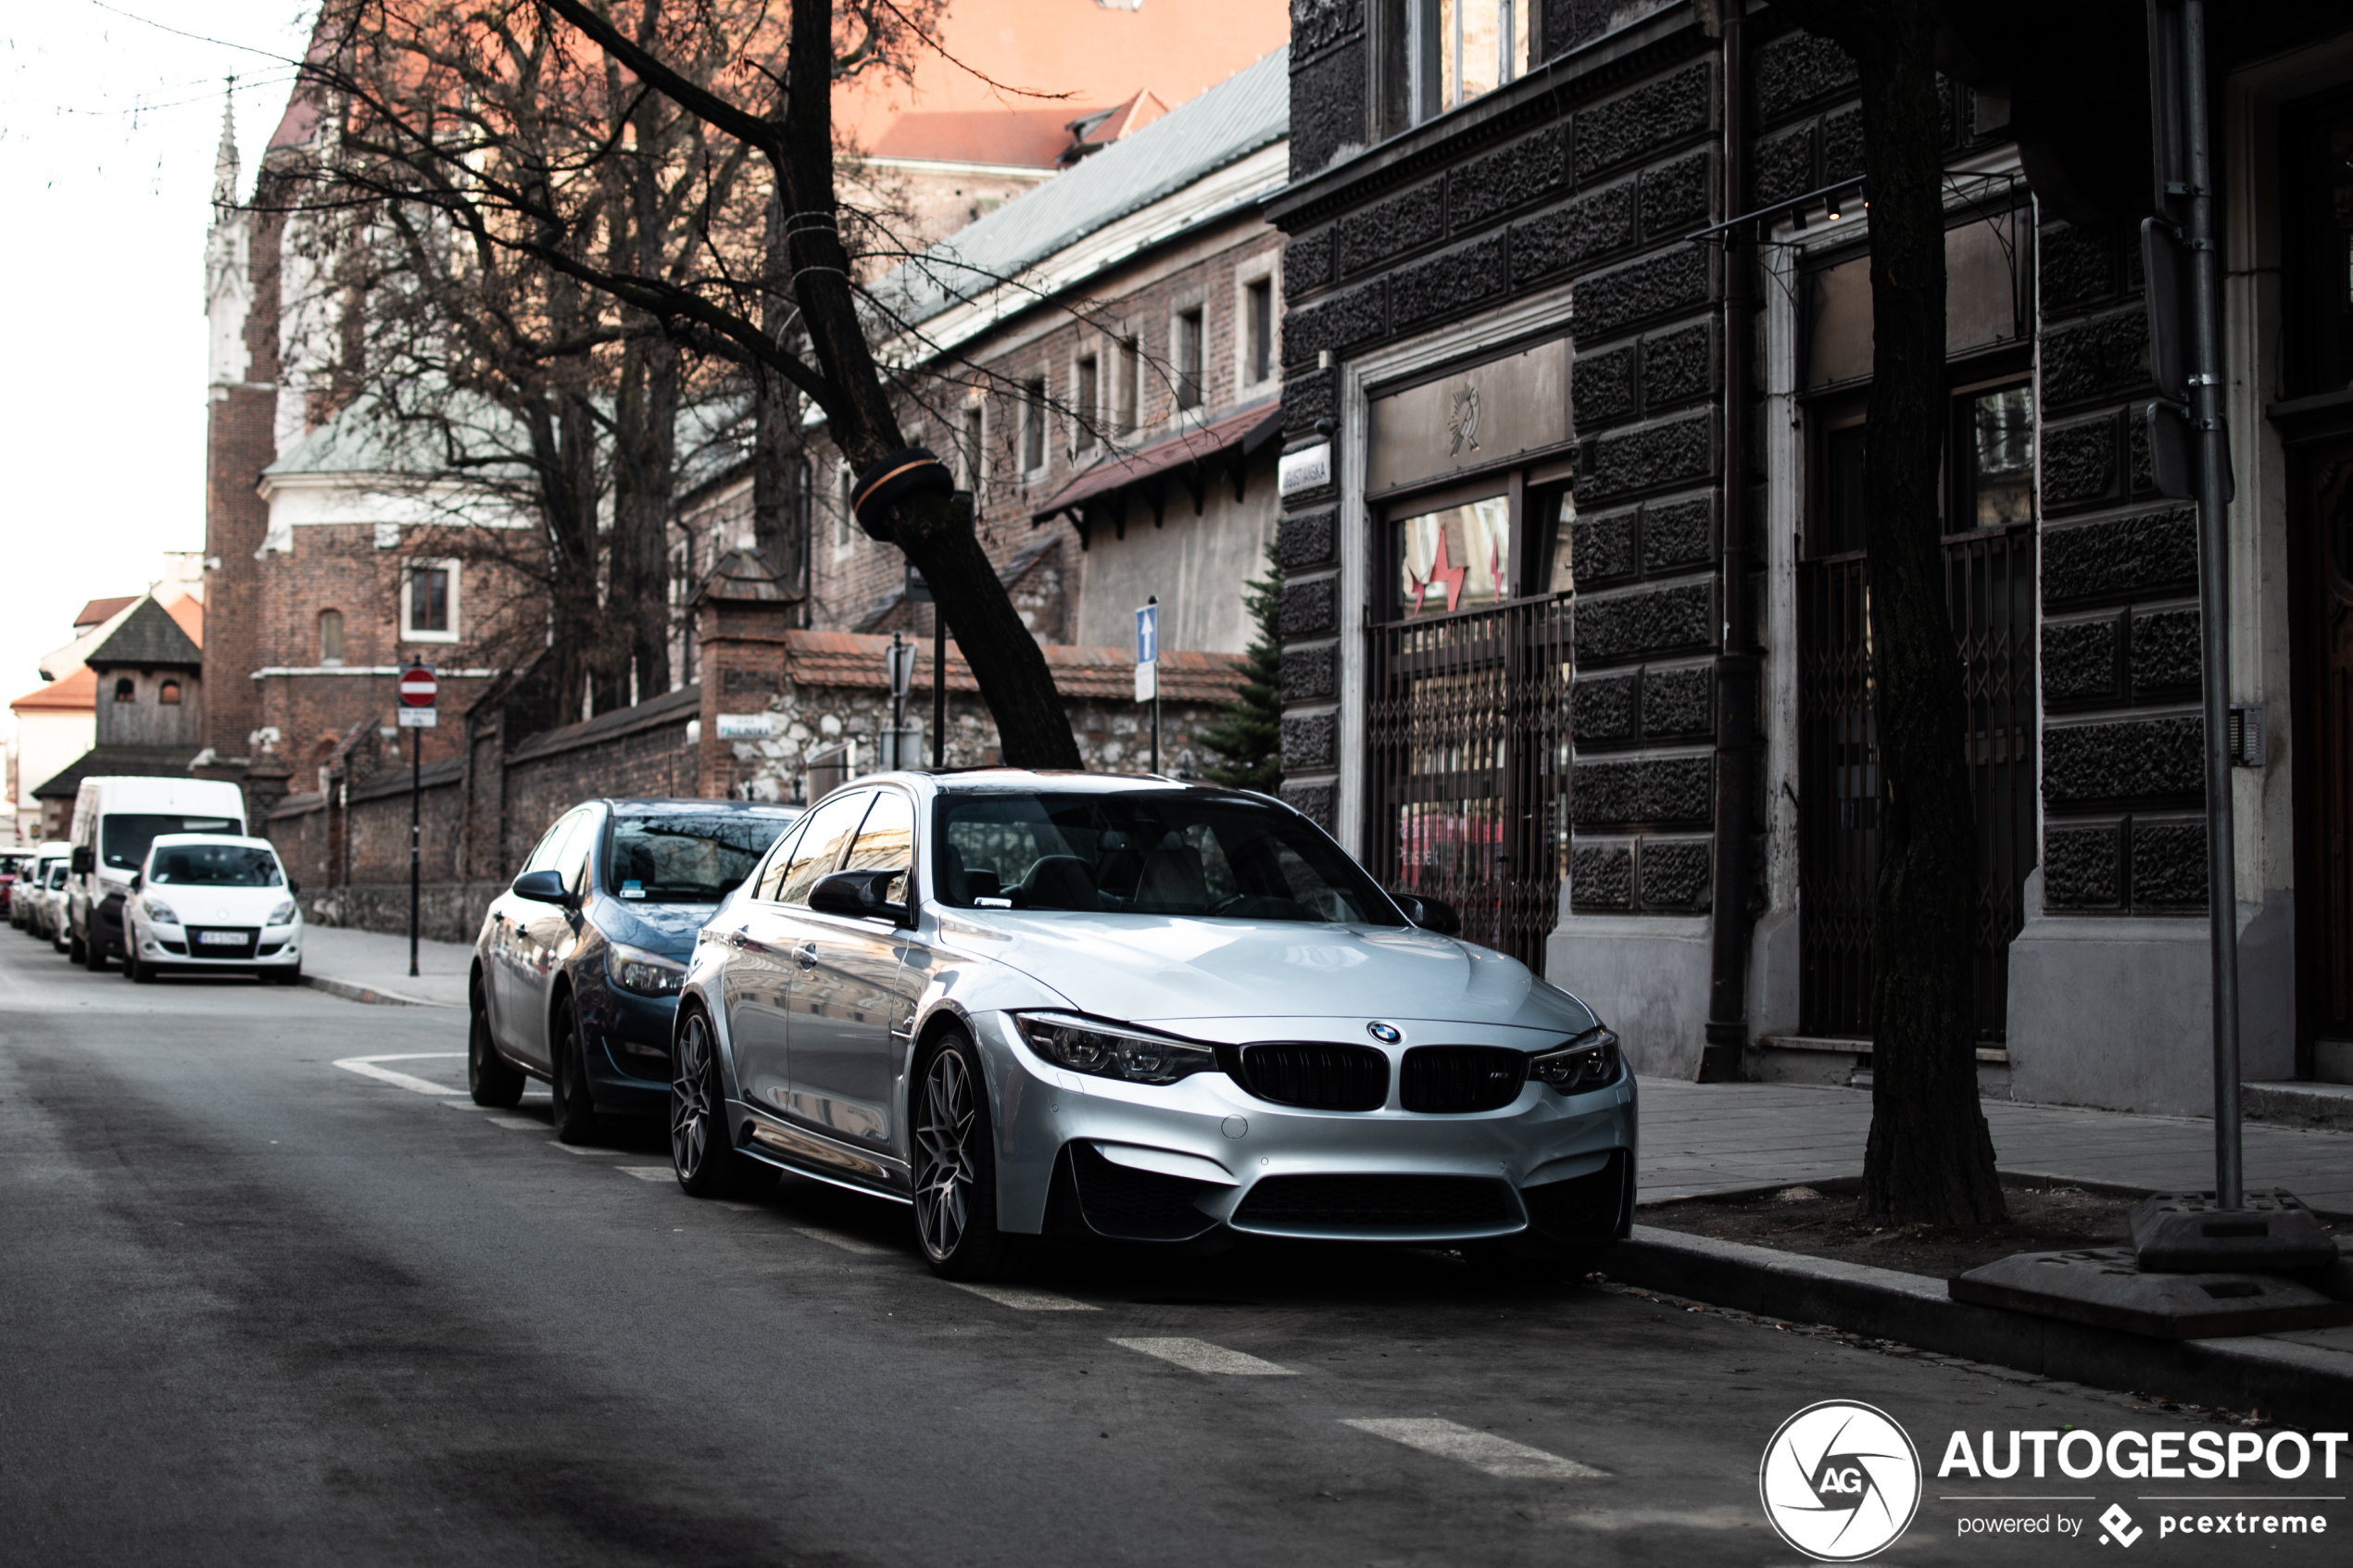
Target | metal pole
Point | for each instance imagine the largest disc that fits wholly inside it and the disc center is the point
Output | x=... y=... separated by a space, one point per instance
x=938 y=688
x=416 y=792
x=898 y=708
x=1153 y=599
x=2214 y=457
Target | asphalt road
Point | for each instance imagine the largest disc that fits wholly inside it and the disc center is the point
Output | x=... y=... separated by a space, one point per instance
x=260 y=1308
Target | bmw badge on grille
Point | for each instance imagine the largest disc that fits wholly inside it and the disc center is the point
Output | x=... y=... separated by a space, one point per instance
x=1386 y=1033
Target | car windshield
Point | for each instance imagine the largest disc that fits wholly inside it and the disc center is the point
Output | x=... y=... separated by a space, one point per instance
x=677 y=857
x=1149 y=852
x=124 y=837
x=56 y=874
x=215 y=865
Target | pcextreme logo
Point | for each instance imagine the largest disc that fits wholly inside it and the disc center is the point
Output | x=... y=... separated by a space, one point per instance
x=1840 y=1481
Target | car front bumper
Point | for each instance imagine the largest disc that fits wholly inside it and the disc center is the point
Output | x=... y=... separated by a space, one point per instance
x=1141 y=1162
x=278 y=948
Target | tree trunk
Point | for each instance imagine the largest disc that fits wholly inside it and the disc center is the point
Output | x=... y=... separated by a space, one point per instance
x=780 y=507
x=1930 y=1159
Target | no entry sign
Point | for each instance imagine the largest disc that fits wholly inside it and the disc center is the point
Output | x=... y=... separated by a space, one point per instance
x=418 y=688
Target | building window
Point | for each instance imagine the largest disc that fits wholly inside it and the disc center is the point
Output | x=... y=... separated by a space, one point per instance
x=1127 y=386
x=844 y=514
x=168 y=694
x=1187 y=354
x=1258 y=330
x=1452 y=51
x=1088 y=397
x=429 y=602
x=125 y=689
x=1033 y=425
x=972 y=450
x=331 y=637
x=1456 y=558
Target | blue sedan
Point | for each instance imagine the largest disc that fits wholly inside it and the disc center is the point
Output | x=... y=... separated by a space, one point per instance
x=577 y=969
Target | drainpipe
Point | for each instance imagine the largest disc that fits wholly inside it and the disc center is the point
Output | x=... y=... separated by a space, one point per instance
x=1736 y=657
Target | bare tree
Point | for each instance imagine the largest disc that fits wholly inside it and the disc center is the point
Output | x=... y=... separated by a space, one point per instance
x=1930 y=1158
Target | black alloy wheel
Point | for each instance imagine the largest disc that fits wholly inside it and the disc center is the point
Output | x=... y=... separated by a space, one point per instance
x=956 y=1163
x=574 y=1114
x=488 y=1077
x=701 y=1154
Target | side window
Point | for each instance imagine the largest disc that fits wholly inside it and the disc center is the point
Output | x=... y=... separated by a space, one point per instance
x=579 y=850
x=548 y=854
x=886 y=840
x=771 y=876
x=830 y=829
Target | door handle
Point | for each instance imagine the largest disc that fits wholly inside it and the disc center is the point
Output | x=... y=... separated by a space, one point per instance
x=807 y=954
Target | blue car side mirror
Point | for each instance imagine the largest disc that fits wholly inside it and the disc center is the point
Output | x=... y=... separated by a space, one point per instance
x=543 y=887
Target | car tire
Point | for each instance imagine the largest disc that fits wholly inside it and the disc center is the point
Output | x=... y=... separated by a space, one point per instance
x=703 y=1156
x=133 y=971
x=290 y=975
x=575 y=1113
x=93 y=952
x=489 y=1078
x=955 y=1175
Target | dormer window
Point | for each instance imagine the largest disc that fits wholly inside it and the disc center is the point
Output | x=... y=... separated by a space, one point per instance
x=125 y=689
x=168 y=694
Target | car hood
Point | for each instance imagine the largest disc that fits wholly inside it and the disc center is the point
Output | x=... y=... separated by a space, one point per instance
x=667 y=929
x=1182 y=974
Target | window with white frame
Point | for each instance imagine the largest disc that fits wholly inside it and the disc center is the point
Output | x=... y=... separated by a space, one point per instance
x=971 y=448
x=1187 y=341
x=1127 y=387
x=428 y=601
x=844 y=514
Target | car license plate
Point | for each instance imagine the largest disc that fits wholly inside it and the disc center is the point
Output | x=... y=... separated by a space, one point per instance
x=222 y=939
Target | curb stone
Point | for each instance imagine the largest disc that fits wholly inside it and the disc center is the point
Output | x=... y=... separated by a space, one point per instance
x=2298 y=1383
x=351 y=991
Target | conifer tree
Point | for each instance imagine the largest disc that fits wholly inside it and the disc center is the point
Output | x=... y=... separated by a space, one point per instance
x=1250 y=736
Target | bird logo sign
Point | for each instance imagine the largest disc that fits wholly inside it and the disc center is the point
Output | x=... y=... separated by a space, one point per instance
x=1840 y=1481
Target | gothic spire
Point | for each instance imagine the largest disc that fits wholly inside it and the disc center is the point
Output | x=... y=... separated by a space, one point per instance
x=224 y=163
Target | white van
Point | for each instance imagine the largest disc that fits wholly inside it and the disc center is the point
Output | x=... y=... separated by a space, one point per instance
x=114 y=819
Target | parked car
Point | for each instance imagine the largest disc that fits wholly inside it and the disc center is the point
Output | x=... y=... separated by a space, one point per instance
x=213 y=901
x=14 y=869
x=577 y=967
x=1098 y=1007
x=43 y=899
x=114 y=822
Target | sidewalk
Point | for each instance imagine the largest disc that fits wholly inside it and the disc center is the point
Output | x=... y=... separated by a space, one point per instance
x=1722 y=1137
x=371 y=966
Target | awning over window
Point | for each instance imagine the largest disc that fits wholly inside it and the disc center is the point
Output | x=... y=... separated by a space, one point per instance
x=1193 y=459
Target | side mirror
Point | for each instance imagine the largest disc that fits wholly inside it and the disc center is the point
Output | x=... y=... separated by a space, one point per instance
x=83 y=861
x=858 y=896
x=293 y=887
x=543 y=887
x=1430 y=914
x=138 y=879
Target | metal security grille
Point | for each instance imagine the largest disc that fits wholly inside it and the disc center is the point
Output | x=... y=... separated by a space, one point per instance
x=1467 y=772
x=1989 y=580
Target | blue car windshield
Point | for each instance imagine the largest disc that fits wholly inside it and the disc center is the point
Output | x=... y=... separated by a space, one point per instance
x=682 y=857
x=1149 y=852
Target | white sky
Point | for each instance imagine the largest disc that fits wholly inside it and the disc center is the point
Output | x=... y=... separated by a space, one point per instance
x=108 y=130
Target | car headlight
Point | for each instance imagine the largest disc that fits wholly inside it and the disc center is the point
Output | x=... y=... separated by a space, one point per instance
x=159 y=910
x=1084 y=1046
x=1590 y=1062
x=284 y=915
x=648 y=974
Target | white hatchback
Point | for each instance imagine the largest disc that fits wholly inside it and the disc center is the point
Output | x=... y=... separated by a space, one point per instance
x=204 y=900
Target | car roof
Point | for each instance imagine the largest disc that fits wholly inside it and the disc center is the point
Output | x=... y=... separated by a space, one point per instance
x=690 y=803
x=1001 y=781
x=175 y=838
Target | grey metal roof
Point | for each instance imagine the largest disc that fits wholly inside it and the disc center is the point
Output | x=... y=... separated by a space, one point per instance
x=147 y=638
x=1248 y=110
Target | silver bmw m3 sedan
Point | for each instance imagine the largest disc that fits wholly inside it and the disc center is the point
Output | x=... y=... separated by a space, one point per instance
x=1091 y=1008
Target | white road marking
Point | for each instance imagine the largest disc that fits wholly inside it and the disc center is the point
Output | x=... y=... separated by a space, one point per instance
x=572 y=1148
x=647 y=1172
x=1022 y=1299
x=848 y=1244
x=366 y=1067
x=520 y=1123
x=1200 y=1355
x=1480 y=1450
